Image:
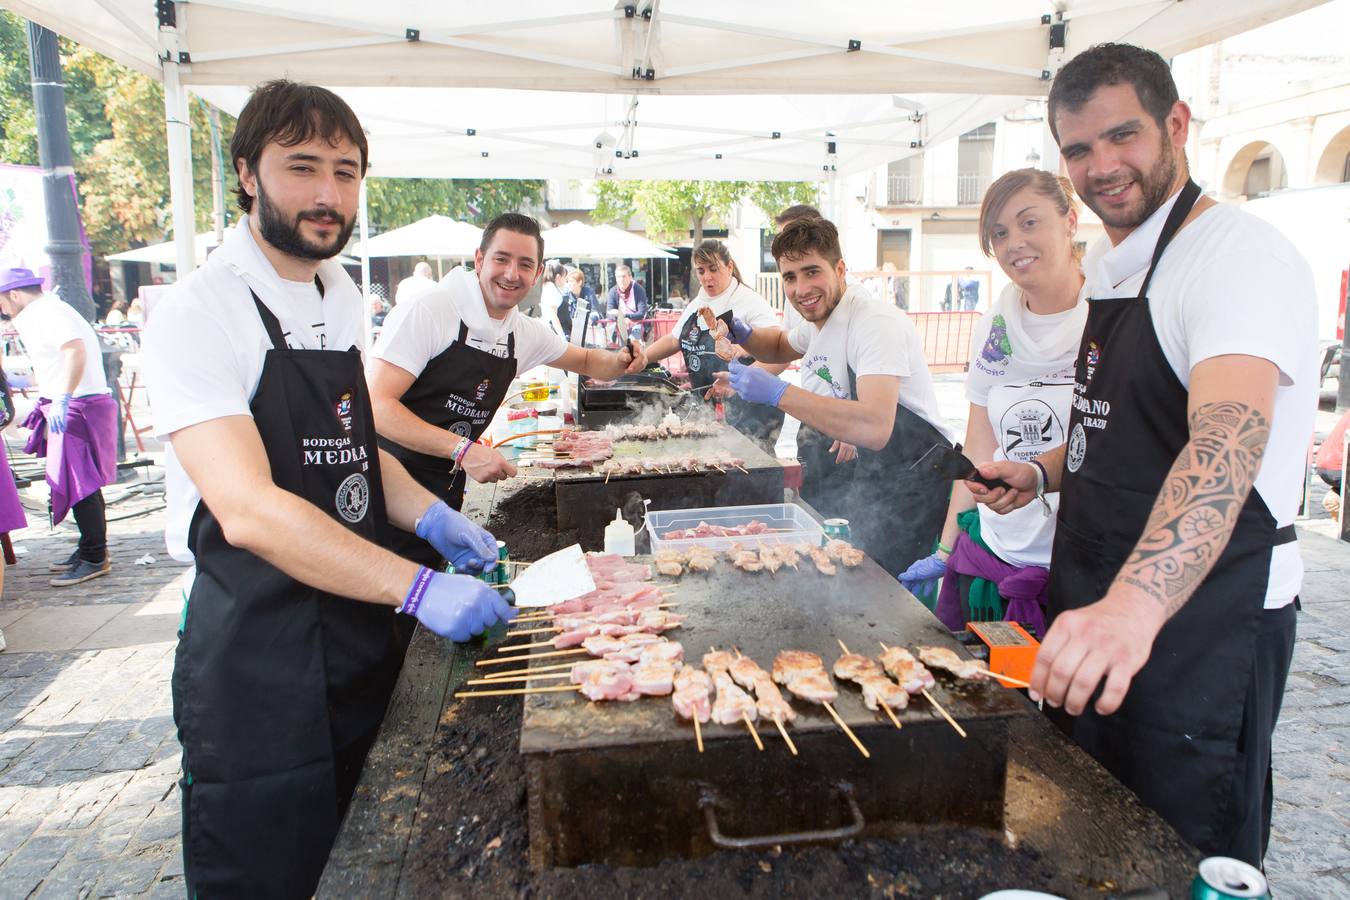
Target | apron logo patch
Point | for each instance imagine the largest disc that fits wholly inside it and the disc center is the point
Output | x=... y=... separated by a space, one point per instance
x=1092 y=357
x=483 y=387
x=461 y=428
x=353 y=498
x=343 y=409
x=998 y=347
x=1077 y=448
x=695 y=363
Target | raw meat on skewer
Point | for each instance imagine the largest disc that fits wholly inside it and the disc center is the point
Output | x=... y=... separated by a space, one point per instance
x=664 y=652
x=717 y=661
x=732 y=704
x=804 y=675
x=745 y=672
x=904 y=668
x=770 y=558
x=744 y=559
x=769 y=700
x=943 y=658
x=701 y=559
x=603 y=680
x=878 y=689
x=813 y=686
x=654 y=679
x=692 y=698
x=790 y=664
x=852 y=666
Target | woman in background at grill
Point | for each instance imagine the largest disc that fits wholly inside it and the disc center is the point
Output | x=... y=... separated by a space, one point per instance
x=1020 y=386
x=726 y=294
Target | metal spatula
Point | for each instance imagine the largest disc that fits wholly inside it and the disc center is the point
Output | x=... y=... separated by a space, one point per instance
x=950 y=464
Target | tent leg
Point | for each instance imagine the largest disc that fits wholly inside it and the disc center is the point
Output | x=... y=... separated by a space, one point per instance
x=180 y=160
x=439 y=274
x=363 y=217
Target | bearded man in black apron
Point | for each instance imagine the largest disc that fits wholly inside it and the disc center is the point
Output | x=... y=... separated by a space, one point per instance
x=276 y=491
x=444 y=364
x=865 y=383
x=1174 y=573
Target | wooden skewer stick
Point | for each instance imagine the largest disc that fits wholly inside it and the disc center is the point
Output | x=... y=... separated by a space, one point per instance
x=511 y=648
x=1016 y=682
x=528 y=670
x=515 y=678
x=516 y=437
x=533 y=631
x=783 y=731
x=744 y=469
x=848 y=731
x=718 y=468
x=513 y=691
x=529 y=656
x=753 y=733
x=541 y=616
x=959 y=730
x=698 y=732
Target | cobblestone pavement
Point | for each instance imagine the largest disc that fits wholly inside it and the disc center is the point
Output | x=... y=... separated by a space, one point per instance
x=89 y=761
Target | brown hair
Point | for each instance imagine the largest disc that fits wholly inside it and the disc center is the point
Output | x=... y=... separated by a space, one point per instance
x=1056 y=188
x=517 y=222
x=715 y=251
x=291 y=113
x=800 y=211
x=1110 y=64
x=800 y=236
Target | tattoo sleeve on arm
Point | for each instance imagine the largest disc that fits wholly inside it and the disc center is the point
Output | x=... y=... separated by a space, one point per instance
x=1198 y=507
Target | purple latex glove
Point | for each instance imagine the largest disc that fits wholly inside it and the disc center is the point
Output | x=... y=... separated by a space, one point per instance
x=739 y=331
x=466 y=546
x=56 y=414
x=926 y=570
x=755 y=385
x=455 y=606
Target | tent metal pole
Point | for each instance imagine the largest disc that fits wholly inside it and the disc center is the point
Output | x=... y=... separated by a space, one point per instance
x=180 y=147
x=363 y=218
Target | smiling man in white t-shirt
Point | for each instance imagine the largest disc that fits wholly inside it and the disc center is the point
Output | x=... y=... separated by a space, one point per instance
x=864 y=382
x=1175 y=568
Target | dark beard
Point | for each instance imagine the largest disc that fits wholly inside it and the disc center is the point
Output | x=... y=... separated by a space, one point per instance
x=285 y=236
x=1155 y=188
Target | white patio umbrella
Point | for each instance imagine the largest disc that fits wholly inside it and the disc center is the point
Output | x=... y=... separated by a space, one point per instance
x=578 y=240
x=434 y=236
x=166 y=253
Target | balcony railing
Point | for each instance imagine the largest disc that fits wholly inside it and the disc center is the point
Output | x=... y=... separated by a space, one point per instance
x=902 y=189
x=970 y=189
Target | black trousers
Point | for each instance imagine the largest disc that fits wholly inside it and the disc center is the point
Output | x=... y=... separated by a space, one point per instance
x=92 y=520
x=1253 y=794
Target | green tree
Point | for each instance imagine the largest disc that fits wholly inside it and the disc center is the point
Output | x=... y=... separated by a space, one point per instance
x=674 y=208
x=395 y=202
x=772 y=197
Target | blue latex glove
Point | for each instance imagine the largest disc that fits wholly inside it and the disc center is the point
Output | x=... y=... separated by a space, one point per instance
x=56 y=414
x=739 y=331
x=923 y=572
x=469 y=548
x=455 y=606
x=756 y=385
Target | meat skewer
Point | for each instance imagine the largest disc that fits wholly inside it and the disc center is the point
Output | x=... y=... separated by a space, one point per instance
x=943 y=658
x=732 y=703
x=822 y=560
x=463 y=695
x=768 y=700
x=803 y=674
x=892 y=651
x=844 y=552
x=878 y=690
x=691 y=698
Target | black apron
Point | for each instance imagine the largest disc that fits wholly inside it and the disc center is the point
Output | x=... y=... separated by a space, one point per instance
x=895 y=512
x=279 y=688
x=458 y=391
x=757 y=421
x=1174 y=740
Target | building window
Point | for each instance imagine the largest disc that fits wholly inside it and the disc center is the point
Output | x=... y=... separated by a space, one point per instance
x=904 y=180
x=974 y=164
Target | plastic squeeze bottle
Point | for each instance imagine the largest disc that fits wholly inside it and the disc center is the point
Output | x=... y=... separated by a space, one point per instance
x=619 y=537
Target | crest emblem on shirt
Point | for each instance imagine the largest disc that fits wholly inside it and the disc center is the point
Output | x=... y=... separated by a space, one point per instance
x=483 y=387
x=997 y=348
x=1091 y=358
x=1029 y=429
x=353 y=498
x=342 y=408
x=1077 y=448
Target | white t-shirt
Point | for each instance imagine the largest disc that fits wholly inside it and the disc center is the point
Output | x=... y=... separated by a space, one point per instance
x=744 y=303
x=44 y=326
x=1021 y=372
x=204 y=348
x=1231 y=283
x=550 y=298
x=417 y=332
x=871 y=338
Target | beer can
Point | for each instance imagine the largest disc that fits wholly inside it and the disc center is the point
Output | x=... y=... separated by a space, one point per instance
x=836 y=530
x=502 y=558
x=1222 y=878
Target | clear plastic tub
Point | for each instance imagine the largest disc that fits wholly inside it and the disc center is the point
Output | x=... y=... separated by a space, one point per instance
x=788 y=524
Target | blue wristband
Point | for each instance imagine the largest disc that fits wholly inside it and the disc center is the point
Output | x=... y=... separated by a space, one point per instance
x=416 y=592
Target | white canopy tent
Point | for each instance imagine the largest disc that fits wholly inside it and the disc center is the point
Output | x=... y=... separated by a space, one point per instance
x=734 y=89
x=165 y=253
x=435 y=236
x=577 y=240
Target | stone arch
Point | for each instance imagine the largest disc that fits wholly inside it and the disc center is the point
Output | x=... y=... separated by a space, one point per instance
x=1333 y=166
x=1257 y=168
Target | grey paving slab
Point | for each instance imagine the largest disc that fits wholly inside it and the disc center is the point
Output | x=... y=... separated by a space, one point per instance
x=61 y=628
